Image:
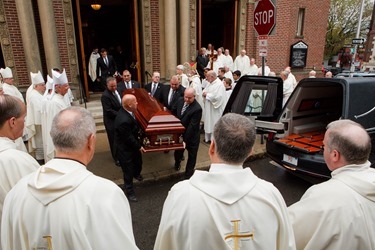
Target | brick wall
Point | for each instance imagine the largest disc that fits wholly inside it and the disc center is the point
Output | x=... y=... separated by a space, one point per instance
x=20 y=66
x=61 y=36
x=315 y=26
x=155 y=34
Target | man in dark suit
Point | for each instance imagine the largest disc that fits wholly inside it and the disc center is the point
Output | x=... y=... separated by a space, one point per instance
x=105 y=67
x=202 y=61
x=127 y=83
x=111 y=103
x=128 y=148
x=155 y=87
x=171 y=93
x=189 y=112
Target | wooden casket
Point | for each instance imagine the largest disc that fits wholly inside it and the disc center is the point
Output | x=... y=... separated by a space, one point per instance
x=161 y=130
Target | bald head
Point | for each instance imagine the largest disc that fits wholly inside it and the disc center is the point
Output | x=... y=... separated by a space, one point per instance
x=350 y=139
x=129 y=102
x=189 y=95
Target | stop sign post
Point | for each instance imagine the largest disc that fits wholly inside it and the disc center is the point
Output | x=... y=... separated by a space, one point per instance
x=264 y=22
x=264 y=17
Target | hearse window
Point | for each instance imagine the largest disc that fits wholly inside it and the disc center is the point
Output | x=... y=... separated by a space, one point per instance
x=256 y=99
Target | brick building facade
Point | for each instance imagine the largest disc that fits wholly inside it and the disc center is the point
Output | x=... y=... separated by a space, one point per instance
x=163 y=33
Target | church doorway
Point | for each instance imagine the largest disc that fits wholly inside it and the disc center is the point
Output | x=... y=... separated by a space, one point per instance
x=113 y=27
x=217 y=23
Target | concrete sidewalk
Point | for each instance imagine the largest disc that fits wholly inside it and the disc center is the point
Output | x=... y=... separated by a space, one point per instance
x=156 y=165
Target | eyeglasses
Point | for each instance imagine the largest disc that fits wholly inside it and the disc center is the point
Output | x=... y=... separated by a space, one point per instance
x=126 y=75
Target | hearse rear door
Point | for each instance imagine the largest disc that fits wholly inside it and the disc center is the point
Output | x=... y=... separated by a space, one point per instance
x=259 y=98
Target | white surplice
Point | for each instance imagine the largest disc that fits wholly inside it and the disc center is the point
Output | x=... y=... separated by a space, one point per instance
x=226 y=208
x=242 y=63
x=216 y=65
x=92 y=65
x=228 y=61
x=253 y=70
x=184 y=80
x=196 y=84
x=338 y=213
x=14 y=165
x=49 y=110
x=214 y=104
x=34 y=123
x=62 y=200
x=13 y=91
x=287 y=89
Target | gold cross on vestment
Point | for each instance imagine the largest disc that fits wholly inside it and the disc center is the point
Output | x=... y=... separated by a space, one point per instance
x=236 y=235
x=49 y=241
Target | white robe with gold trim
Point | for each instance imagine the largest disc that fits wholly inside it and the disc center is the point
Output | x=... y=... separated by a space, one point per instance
x=14 y=164
x=338 y=213
x=49 y=110
x=213 y=209
x=62 y=200
x=214 y=104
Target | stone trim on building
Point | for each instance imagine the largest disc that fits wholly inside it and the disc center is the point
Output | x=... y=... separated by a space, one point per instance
x=6 y=44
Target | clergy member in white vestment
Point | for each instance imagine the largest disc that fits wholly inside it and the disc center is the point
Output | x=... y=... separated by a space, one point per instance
x=195 y=83
x=291 y=76
x=228 y=61
x=92 y=64
x=63 y=205
x=215 y=99
x=184 y=81
x=14 y=164
x=10 y=89
x=216 y=64
x=253 y=68
x=242 y=63
x=287 y=86
x=52 y=108
x=34 y=112
x=339 y=213
x=228 y=207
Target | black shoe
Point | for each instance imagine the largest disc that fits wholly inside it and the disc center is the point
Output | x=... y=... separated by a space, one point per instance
x=139 y=178
x=177 y=166
x=117 y=163
x=132 y=197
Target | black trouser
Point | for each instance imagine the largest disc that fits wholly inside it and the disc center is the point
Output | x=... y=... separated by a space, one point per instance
x=131 y=164
x=192 y=158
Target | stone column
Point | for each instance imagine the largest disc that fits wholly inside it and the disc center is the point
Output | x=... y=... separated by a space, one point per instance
x=170 y=38
x=28 y=33
x=184 y=31
x=51 y=48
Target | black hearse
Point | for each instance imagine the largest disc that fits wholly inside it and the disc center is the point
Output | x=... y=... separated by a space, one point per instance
x=294 y=133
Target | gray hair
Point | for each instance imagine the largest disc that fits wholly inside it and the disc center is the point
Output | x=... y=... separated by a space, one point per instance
x=354 y=147
x=109 y=79
x=234 y=137
x=10 y=107
x=71 y=129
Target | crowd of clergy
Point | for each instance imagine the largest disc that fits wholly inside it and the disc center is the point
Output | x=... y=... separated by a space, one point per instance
x=62 y=205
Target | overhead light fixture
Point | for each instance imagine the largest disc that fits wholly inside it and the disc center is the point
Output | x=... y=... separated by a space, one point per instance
x=96 y=6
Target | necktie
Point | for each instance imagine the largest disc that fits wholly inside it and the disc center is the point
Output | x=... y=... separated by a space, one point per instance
x=127 y=85
x=153 y=89
x=106 y=61
x=170 y=99
x=117 y=96
x=184 y=108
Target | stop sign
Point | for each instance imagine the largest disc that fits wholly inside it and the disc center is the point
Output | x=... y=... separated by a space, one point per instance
x=264 y=17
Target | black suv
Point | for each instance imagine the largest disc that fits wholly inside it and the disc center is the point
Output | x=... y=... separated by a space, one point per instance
x=295 y=132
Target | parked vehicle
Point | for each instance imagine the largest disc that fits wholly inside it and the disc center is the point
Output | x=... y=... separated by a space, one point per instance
x=295 y=132
x=355 y=74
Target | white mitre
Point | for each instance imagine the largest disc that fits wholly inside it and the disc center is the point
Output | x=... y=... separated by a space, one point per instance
x=6 y=73
x=36 y=78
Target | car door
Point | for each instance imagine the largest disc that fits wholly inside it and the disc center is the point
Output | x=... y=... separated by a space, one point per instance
x=260 y=99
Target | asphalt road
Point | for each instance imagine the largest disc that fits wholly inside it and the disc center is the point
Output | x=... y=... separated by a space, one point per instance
x=146 y=212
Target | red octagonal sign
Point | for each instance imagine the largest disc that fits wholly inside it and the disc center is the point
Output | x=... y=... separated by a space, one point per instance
x=264 y=17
